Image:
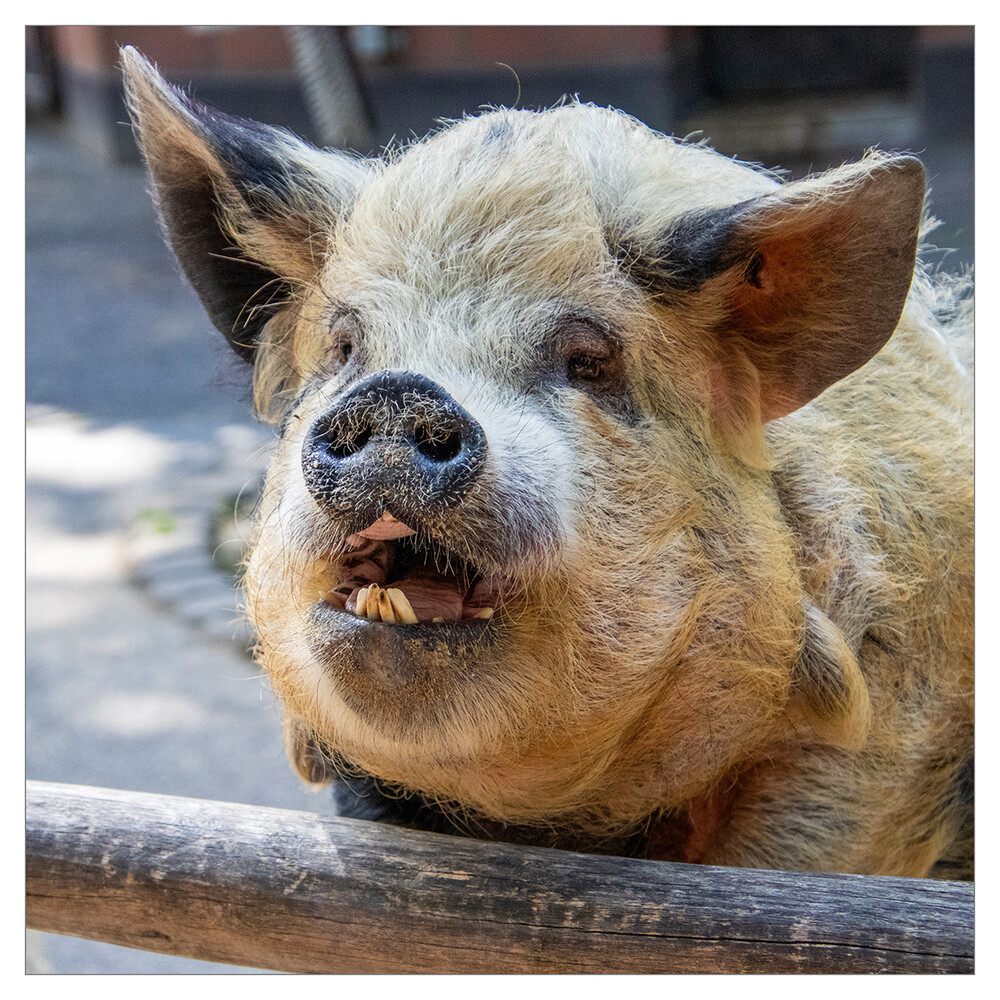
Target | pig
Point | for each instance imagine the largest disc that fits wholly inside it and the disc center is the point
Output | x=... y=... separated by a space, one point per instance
x=622 y=495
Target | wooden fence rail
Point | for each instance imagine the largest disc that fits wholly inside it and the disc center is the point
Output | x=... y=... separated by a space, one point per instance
x=285 y=890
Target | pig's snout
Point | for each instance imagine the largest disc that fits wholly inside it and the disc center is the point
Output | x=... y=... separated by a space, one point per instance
x=396 y=442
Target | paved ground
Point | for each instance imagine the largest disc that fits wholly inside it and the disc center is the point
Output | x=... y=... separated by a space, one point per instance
x=137 y=425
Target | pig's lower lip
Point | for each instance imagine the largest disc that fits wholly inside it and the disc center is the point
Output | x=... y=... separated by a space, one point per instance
x=403 y=677
x=423 y=632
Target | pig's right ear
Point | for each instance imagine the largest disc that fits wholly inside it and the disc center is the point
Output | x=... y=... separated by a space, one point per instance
x=247 y=208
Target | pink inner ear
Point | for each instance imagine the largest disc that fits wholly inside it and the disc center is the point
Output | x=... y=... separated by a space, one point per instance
x=828 y=266
x=773 y=310
x=777 y=287
x=764 y=305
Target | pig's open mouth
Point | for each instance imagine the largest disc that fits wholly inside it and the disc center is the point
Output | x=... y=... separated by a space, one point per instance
x=387 y=575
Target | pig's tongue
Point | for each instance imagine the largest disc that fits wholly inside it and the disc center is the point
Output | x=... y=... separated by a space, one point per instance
x=384 y=528
x=432 y=595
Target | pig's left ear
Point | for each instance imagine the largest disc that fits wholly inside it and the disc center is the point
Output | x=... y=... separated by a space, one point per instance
x=804 y=284
x=813 y=279
x=247 y=208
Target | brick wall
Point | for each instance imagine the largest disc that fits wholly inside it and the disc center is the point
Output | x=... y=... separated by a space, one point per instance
x=458 y=47
x=424 y=72
x=176 y=49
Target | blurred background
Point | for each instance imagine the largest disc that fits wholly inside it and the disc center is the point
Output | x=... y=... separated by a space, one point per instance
x=142 y=453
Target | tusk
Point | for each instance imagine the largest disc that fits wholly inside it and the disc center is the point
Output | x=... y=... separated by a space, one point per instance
x=402 y=607
x=385 y=607
x=360 y=602
x=372 y=610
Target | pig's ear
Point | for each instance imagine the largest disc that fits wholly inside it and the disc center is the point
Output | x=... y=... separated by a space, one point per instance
x=247 y=208
x=813 y=279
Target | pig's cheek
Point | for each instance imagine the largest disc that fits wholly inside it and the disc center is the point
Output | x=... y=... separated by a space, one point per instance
x=557 y=471
x=531 y=473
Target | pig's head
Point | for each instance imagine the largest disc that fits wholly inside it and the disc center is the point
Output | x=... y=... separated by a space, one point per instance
x=519 y=548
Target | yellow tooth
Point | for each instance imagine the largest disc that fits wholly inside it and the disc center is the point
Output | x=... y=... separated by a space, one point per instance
x=485 y=613
x=405 y=614
x=385 y=607
x=438 y=619
x=372 y=612
x=360 y=601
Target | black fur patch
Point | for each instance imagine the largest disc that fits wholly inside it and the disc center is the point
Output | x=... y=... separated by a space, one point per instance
x=239 y=295
x=254 y=153
x=363 y=797
x=697 y=247
x=234 y=291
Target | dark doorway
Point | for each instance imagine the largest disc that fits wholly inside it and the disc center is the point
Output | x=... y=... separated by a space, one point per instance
x=751 y=61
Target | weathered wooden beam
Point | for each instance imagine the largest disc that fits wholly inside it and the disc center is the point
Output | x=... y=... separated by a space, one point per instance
x=287 y=890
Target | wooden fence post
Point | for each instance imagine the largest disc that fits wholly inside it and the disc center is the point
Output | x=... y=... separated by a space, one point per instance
x=286 y=890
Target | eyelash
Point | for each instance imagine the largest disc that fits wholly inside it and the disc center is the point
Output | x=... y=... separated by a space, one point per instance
x=583 y=367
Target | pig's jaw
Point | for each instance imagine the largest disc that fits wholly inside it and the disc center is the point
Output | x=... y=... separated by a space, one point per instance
x=400 y=677
x=401 y=623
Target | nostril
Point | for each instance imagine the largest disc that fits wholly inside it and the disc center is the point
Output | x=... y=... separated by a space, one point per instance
x=340 y=441
x=435 y=448
x=345 y=446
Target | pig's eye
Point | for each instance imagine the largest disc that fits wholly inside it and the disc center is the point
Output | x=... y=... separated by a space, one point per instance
x=584 y=367
x=341 y=351
x=590 y=359
x=344 y=335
